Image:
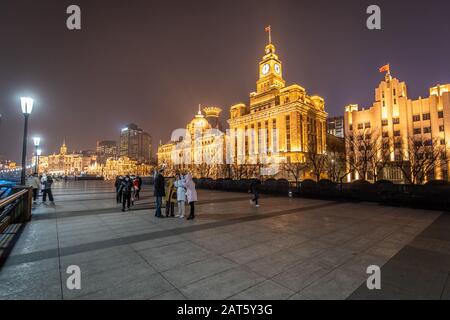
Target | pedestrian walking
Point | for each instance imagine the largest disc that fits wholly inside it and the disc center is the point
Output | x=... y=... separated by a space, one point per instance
x=126 y=189
x=159 y=192
x=180 y=185
x=254 y=190
x=191 y=195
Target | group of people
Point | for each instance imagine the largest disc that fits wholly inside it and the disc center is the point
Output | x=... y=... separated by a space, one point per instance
x=128 y=190
x=42 y=184
x=178 y=190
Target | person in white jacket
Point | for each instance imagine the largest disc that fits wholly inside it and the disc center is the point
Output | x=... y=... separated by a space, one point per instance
x=191 y=194
x=180 y=184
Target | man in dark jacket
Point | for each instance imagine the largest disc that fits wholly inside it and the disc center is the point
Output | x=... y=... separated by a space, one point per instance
x=126 y=189
x=47 y=189
x=159 y=192
x=254 y=189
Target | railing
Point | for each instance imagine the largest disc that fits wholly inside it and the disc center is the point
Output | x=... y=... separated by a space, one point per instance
x=14 y=211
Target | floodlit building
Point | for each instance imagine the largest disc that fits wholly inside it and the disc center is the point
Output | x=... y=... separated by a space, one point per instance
x=282 y=122
x=106 y=149
x=401 y=124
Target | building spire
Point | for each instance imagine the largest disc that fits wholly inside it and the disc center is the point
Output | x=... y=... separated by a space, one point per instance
x=199 y=109
x=268 y=29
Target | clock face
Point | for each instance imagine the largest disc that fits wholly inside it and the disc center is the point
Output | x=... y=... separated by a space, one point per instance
x=277 y=68
x=265 y=69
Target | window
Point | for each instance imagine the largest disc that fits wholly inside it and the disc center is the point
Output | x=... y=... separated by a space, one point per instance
x=384 y=122
x=360 y=126
x=395 y=120
x=418 y=143
x=384 y=104
x=386 y=145
x=350 y=127
x=368 y=137
x=417 y=131
x=427 y=130
x=385 y=134
x=394 y=93
x=397 y=133
x=440 y=114
x=416 y=117
x=395 y=101
x=288 y=133
x=426 y=116
x=428 y=142
x=398 y=145
x=398 y=157
x=367 y=125
x=442 y=142
x=441 y=128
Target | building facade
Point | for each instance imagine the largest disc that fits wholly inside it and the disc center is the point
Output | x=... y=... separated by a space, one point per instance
x=335 y=126
x=199 y=148
x=135 y=144
x=400 y=127
x=281 y=123
x=106 y=149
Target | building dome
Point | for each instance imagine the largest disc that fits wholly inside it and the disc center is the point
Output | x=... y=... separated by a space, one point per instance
x=199 y=123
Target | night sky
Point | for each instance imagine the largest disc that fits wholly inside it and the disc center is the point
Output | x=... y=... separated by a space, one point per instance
x=152 y=62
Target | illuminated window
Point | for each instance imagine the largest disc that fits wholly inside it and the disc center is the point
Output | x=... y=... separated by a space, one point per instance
x=440 y=114
x=288 y=133
x=441 y=128
x=417 y=131
x=416 y=117
x=396 y=120
x=426 y=116
x=384 y=122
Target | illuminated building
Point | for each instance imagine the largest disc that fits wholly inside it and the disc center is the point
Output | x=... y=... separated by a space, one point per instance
x=398 y=120
x=135 y=144
x=122 y=166
x=65 y=163
x=106 y=149
x=200 y=144
x=281 y=122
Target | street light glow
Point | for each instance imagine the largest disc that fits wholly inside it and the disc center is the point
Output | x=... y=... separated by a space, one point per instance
x=39 y=152
x=27 y=105
x=36 y=141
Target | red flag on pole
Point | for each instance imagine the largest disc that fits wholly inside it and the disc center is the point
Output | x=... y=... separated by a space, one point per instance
x=385 y=68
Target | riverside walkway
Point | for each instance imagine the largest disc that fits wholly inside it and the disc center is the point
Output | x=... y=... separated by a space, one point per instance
x=286 y=249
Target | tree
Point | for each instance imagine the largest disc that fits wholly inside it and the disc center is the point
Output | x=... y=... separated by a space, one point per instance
x=317 y=162
x=296 y=170
x=418 y=161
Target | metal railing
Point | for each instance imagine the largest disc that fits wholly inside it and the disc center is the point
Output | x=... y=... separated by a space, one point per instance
x=15 y=208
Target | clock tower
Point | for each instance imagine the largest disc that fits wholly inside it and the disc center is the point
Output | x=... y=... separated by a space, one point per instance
x=270 y=70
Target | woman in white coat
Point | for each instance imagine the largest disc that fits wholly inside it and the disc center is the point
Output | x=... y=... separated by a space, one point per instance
x=180 y=184
x=191 y=194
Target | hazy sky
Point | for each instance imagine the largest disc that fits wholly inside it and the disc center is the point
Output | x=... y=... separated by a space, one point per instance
x=152 y=62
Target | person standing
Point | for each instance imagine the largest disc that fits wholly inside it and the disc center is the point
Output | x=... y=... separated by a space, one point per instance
x=34 y=183
x=191 y=195
x=117 y=185
x=126 y=189
x=47 y=189
x=170 y=198
x=180 y=185
x=254 y=189
x=138 y=186
x=159 y=192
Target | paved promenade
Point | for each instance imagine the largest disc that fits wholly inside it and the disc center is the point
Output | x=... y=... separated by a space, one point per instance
x=286 y=249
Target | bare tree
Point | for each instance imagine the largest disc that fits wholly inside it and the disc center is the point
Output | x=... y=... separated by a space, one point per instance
x=317 y=162
x=296 y=170
x=366 y=153
x=419 y=159
x=336 y=167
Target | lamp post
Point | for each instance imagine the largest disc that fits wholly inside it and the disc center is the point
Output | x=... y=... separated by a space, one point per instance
x=27 y=107
x=38 y=152
x=37 y=142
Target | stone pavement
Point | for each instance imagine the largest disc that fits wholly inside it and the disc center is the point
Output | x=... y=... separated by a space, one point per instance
x=286 y=249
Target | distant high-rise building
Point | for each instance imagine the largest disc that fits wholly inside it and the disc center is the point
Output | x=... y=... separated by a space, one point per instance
x=335 y=126
x=135 y=144
x=106 y=149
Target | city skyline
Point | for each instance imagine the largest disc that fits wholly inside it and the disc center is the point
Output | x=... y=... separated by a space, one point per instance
x=213 y=66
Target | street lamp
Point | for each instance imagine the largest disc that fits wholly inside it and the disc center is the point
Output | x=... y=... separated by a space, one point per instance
x=38 y=153
x=36 y=141
x=27 y=107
